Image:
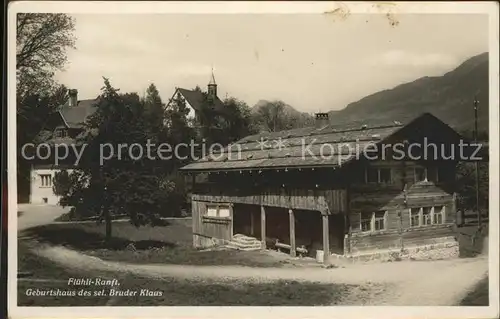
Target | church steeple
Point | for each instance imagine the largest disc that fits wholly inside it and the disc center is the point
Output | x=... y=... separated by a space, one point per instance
x=212 y=86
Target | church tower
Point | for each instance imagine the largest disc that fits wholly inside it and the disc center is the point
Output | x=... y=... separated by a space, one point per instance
x=212 y=86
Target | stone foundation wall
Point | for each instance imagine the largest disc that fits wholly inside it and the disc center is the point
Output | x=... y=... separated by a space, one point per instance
x=443 y=248
x=207 y=242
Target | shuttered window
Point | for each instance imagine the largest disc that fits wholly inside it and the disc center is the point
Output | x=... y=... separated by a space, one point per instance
x=224 y=212
x=218 y=211
x=212 y=211
x=425 y=216
x=373 y=221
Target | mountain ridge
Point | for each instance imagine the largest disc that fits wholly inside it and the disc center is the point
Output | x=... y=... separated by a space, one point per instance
x=449 y=97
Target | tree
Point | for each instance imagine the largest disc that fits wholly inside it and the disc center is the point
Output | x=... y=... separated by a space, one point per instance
x=272 y=116
x=238 y=121
x=179 y=129
x=125 y=182
x=466 y=186
x=41 y=43
x=155 y=110
x=277 y=116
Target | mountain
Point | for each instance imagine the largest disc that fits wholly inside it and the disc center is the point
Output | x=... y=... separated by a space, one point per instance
x=449 y=97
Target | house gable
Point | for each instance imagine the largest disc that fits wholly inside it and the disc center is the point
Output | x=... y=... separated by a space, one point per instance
x=64 y=125
x=195 y=100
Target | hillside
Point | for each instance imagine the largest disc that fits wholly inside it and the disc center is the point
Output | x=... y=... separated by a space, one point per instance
x=449 y=97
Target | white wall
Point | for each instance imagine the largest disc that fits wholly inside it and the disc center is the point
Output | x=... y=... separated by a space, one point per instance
x=41 y=192
x=191 y=113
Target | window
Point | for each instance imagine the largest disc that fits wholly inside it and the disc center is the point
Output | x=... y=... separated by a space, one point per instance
x=366 y=221
x=372 y=175
x=373 y=221
x=437 y=217
x=46 y=180
x=212 y=211
x=414 y=217
x=224 y=212
x=218 y=211
x=428 y=174
x=385 y=175
x=379 y=175
x=424 y=216
x=61 y=132
x=379 y=220
x=420 y=175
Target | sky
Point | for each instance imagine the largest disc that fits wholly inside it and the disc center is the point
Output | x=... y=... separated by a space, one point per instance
x=314 y=62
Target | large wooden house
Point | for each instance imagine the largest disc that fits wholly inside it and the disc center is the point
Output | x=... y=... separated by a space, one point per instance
x=334 y=190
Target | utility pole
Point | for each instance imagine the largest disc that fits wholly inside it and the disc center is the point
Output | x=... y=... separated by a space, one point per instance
x=479 y=216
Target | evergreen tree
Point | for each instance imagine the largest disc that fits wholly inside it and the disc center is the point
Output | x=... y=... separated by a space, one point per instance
x=155 y=110
x=127 y=182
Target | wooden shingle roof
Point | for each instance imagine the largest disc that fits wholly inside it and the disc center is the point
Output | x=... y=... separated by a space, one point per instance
x=297 y=148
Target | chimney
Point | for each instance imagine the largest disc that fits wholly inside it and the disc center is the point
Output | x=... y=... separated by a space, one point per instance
x=73 y=97
x=321 y=120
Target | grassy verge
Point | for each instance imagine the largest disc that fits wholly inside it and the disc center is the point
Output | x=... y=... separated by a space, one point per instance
x=471 y=240
x=170 y=243
x=479 y=296
x=46 y=276
x=174 y=292
x=165 y=291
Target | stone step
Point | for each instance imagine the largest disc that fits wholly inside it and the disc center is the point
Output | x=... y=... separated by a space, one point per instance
x=233 y=244
x=230 y=246
x=246 y=241
x=244 y=238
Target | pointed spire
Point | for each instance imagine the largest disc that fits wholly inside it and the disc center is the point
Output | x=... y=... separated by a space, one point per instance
x=212 y=78
x=212 y=86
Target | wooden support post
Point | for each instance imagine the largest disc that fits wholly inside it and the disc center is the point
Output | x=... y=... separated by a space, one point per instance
x=252 y=223
x=231 y=213
x=326 y=241
x=263 y=226
x=293 y=252
x=456 y=214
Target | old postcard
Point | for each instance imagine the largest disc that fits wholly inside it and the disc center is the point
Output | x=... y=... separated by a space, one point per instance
x=253 y=159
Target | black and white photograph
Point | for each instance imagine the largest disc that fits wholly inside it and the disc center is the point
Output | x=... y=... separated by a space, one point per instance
x=253 y=156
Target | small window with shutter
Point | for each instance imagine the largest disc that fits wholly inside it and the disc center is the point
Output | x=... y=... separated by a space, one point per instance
x=222 y=211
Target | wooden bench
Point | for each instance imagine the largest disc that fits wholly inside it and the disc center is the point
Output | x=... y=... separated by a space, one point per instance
x=301 y=249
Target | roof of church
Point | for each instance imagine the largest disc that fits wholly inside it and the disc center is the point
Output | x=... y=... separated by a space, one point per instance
x=196 y=98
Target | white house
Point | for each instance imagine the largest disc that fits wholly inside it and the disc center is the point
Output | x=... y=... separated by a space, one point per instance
x=62 y=127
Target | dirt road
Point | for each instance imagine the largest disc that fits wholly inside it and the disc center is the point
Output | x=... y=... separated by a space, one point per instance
x=37 y=215
x=429 y=283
